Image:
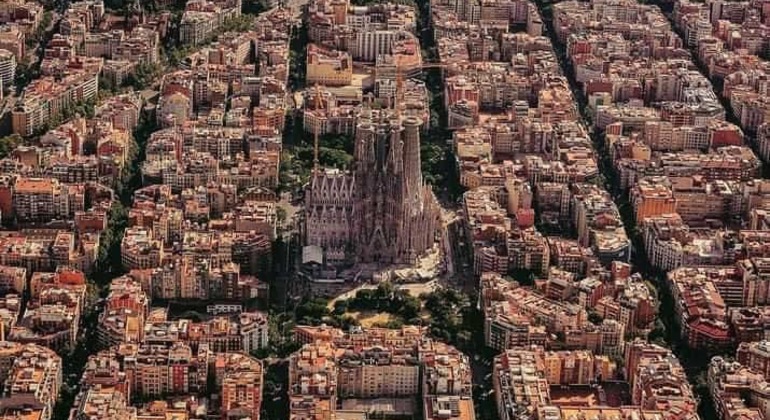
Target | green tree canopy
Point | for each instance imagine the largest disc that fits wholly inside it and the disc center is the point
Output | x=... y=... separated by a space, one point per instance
x=8 y=144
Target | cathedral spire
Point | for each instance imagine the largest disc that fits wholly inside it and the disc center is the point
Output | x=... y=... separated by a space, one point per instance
x=411 y=156
x=319 y=107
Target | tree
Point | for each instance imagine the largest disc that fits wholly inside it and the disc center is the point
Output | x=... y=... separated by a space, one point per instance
x=39 y=34
x=280 y=215
x=242 y=23
x=411 y=308
x=8 y=144
x=327 y=157
x=523 y=276
x=108 y=262
x=594 y=317
x=298 y=55
x=312 y=311
x=253 y=7
x=454 y=319
x=114 y=4
x=143 y=76
x=341 y=306
x=85 y=109
x=385 y=298
x=176 y=55
x=344 y=322
x=658 y=333
x=342 y=142
x=25 y=73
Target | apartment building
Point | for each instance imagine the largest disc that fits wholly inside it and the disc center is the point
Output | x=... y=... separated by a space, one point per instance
x=52 y=315
x=598 y=223
x=384 y=373
x=164 y=222
x=501 y=297
x=261 y=170
x=522 y=378
x=519 y=383
x=313 y=381
x=755 y=356
x=268 y=120
x=663 y=239
x=54 y=326
x=567 y=255
x=729 y=385
x=102 y=402
x=40 y=200
x=122 y=111
x=731 y=47
x=124 y=315
x=366 y=364
x=117 y=326
x=43 y=252
x=7 y=69
x=633 y=305
x=139 y=249
x=611 y=244
x=63 y=277
x=35 y=375
x=9 y=352
x=13 y=279
x=749 y=323
x=166 y=370
x=202 y=18
x=45 y=99
x=187 y=279
x=570 y=367
x=197 y=27
x=246 y=331
x=140 y=46
x=26 y=13
x=446 y=382
x=664 y=136
x=372 y=43
x=699 y=200
x=499 y=245
x=254 y=330
x=657 y=380
x=104 y=368
x=651 y=197
x=83 y=16
x=241 y=379
x=701 y=310
x=13 y=39
x=328 y=67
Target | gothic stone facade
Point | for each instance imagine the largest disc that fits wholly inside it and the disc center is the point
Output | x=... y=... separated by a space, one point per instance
x=380 y=211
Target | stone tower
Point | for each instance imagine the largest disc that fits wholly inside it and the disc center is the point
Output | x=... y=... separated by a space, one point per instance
x=394 y=213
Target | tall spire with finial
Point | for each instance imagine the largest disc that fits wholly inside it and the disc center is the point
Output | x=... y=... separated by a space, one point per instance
x=319 y=106
x=399 y=90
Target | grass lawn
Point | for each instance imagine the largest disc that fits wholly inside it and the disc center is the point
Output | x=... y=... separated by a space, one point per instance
x=369 y=319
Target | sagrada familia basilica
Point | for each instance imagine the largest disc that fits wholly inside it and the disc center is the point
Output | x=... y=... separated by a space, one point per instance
x=380 y=211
